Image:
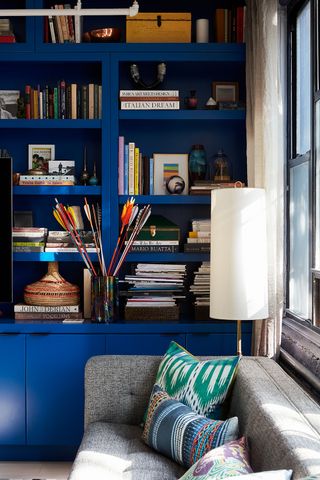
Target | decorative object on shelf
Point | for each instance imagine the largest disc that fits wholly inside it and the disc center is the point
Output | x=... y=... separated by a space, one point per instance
x=135 y=76
x=16 y=178
x=52 y=289
x=154 y=27
x=61 y=167
x=9 y=104
x=84 y=177
x=167 y=165
x=102 y=35
x=225 y=91
x=219 y=170
x=238 y=265
x=175 y=185
x=191 y=102
x=93 y=180
x=104 y=299
x=38 y=158
x=202 y=30
x=211 y=104
x=197 y=163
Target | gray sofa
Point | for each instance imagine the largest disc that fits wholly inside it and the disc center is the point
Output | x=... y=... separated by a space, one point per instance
x=281 y=422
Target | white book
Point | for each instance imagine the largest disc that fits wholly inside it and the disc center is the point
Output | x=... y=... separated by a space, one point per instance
x=199 y=240
x=68 y=249
x=47 y=177
x=154 y=242
x=146 y=105
x=149 y=93
x=23 y=308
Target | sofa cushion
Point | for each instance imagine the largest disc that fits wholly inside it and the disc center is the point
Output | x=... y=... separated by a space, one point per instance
x=111 y=451
x=173 y=429
x=203 y=386
x=226 y=461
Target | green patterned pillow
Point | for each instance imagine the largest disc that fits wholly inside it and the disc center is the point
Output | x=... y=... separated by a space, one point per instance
x=203 y=386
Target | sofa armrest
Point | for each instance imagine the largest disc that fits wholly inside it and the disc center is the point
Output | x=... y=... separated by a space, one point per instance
x=118 y=387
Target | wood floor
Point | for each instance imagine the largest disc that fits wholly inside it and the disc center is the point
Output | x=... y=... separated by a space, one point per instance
x=29 y=470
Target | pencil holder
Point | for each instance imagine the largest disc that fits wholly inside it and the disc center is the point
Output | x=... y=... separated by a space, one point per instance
x=104 y=299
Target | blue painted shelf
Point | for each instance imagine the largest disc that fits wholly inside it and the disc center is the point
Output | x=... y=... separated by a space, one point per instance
x=182 y=115
x=50 y=257
x=168 y=199
x=55 y=190
x=45 y=123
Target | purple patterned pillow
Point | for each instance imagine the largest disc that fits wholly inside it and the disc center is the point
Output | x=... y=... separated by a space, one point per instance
x=229 y=460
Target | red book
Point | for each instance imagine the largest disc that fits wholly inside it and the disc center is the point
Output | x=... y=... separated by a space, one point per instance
x=27 y=99
x=7 y=39
x=239 y=24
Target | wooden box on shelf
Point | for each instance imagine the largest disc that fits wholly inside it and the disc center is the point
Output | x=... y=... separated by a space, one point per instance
x=159 y=28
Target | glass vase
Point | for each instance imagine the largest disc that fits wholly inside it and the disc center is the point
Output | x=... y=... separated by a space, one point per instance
x=197 y=163
x=104 y=299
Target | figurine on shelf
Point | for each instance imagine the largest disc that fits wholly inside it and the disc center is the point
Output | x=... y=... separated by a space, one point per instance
x=211 y=104
x=84 y=174
x=93 y=180
x=192 y=101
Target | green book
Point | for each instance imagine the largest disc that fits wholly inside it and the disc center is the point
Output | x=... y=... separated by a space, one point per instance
x=158 y=227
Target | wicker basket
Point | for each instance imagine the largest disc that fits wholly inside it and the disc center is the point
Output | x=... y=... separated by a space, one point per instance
x=52 y=290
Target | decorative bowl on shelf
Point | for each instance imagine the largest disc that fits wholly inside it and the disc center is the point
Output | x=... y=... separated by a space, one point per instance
x=102 y=35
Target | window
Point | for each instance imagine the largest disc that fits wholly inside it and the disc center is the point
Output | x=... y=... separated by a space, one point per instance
x=303 y=186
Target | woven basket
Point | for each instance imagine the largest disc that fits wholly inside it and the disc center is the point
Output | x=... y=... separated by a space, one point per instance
x=52 y=290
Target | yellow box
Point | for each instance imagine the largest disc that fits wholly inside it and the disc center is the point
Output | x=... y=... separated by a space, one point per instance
x=159 y=28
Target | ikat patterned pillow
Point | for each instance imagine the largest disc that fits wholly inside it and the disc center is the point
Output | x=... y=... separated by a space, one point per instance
x=174 y=430
x=203 y=386
x=229 y=460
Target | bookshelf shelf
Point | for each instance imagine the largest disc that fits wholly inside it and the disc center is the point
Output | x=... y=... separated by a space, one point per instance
x=182 y=115
x=55 y=190
x=22 y=123
x=50 y=257
x=168 y=199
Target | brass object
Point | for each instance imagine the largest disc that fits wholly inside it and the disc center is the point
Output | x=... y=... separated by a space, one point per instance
x=16 y=178
x=37 y=171
x=153 y=230
x=102 y=35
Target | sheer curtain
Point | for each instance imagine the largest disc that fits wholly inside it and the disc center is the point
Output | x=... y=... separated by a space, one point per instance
x=265 y=67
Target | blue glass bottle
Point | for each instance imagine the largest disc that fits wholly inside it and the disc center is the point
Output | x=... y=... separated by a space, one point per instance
x=197 y=163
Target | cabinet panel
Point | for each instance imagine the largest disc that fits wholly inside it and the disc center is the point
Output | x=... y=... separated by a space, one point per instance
x=142 y=344
x=217 y=343
x=55 y=386
x=12 y=389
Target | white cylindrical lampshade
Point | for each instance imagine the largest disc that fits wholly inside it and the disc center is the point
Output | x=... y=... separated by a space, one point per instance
x=238 y=264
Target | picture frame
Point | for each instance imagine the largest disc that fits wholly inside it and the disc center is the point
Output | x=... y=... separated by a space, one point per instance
x=171 y=166
x=225 y=91
x=61 y=167
x=9 y=104
x=39 y=156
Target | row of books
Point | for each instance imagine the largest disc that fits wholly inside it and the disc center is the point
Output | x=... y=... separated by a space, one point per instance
x=62 y=29
x=204 y=187
x=57 y=180
x=6 y=31
x=39 y=239
x=135 y=170
x=230 y=24
x=63 y=101
x=149 y=99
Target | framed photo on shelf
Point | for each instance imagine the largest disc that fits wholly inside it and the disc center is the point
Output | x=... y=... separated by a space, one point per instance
x=9 y=104
x=171 y=174
x=225 y=91
x=39 y=156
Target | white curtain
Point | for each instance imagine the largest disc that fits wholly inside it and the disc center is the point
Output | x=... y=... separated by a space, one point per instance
x=265 y=83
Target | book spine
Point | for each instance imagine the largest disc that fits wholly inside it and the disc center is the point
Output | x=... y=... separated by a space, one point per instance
x=62 y=99
x=219 y=25
x=95 y=101
x=68 y=249
x=48 y=177
x=64 y=27
x=197 y=248
x=154 y=242
x=27 y=99
x=149 y=93
x=149 y=99
x=28 y=249
x=7 y=39
x=52 y=31
x=146 y=175
x=154 y=249
x=239 y=24
x=46 y=316
x=84 y=111
x=47 y=182
x=161 y=105
x=27 y=244
x=151 y=170
x=121 y=165
x=74 y=87
x=91 y=101
x=57 y=21
x=22 y=308
x=131 y=169
x=136 y=170
x=199 y=240
x=126 y=170
x=99 y=101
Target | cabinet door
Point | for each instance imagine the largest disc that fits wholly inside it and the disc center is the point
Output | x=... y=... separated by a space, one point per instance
x=12 y=389
x=217 y=343
x=142 y=343
x=55 y=386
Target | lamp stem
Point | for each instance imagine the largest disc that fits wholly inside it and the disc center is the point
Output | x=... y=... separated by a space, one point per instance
x=239 y=339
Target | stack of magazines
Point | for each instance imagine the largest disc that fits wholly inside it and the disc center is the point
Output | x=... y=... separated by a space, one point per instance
x=201 y=291
x=154 y=291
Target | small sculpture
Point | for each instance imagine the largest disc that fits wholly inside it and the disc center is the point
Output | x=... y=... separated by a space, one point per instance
x=211 y=104
x=93 y=180
x=84 y=174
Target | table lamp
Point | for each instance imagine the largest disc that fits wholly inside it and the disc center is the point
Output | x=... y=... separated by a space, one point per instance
x=238 y=264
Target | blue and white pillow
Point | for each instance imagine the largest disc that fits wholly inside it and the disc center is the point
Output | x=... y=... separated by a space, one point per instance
x=174 y=430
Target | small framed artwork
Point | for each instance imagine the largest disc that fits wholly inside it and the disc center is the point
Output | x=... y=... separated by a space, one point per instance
x=225 y=91
x=61 y=167
x=171 y=174
x=39 y=156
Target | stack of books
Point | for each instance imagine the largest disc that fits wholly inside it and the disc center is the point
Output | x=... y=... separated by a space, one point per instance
x=29 y=239
x=204 y=187
x=135 y=170
x=62 y=29
x=61 y=241
x=158 y=235
x=201 y=291
x=6 y=32
x=198 y=240
x=149 y=100
x=40 y=313
x=155 y=290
